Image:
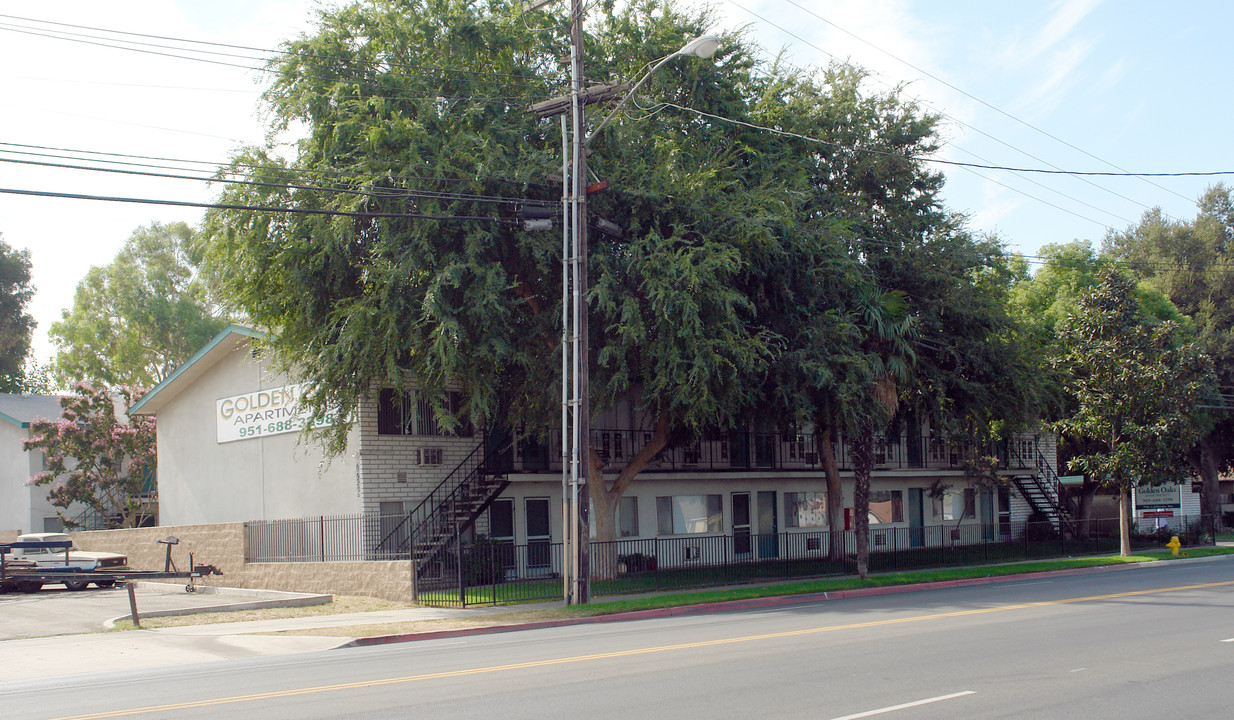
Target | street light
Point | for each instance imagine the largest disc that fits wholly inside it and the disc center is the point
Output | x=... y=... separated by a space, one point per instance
x=703 y=47
x=577 y=565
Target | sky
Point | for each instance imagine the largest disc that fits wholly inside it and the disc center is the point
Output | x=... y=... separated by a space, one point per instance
x=1122 y=86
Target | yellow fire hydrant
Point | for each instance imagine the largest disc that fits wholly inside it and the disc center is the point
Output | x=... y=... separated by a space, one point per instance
x=1174 y=545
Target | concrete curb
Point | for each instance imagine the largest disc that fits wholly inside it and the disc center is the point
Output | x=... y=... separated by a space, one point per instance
x=259 y=599
x=760 y=603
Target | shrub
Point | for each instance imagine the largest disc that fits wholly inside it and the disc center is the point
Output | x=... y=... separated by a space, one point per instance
x=484 y=559
x=637 y=562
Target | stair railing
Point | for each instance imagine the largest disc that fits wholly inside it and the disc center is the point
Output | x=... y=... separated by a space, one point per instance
x=1047 y=484
x=436 y=507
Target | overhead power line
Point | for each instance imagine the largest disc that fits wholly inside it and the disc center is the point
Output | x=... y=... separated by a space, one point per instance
x=256 y=208
x=981 y=166
x=983 y=102
x=214 y=168
x=377 y=193
x=73 y=37
x=958 y=121
x=940 y=161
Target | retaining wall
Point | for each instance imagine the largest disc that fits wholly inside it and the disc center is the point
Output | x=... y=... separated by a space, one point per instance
x=222 y=546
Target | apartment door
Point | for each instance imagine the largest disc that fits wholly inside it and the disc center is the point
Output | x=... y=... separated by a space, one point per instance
x=739 y=449
x=539 y=536
x=987 y=515
x=768 y=525
x=499 y=453
x=1004 y=514
x=392 y=526
x=916 y=517
x=501 y=530
x=741 y=524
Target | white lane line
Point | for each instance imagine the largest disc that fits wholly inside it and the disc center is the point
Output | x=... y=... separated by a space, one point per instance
x=1079 y=670
x=1228 y=640
x=905 y=706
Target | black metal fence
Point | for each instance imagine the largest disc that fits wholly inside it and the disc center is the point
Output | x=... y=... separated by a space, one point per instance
x=327 y=538
x=492 y=573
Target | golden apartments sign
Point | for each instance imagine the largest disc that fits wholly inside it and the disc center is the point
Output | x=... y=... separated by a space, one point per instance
x=266 y=412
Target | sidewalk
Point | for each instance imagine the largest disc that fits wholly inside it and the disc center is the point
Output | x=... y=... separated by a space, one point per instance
x=29 y=659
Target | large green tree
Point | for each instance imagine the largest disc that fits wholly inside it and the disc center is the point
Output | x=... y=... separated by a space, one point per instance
x=745 y=257
x=16 y=325
x=1043 y=304
x=417 y=115
x=1136 y=383
x=1189 y=261
x=137 y=319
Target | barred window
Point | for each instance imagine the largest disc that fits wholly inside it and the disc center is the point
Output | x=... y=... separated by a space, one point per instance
x=402 y=414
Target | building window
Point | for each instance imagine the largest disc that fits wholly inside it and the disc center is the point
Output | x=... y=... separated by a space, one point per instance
x=627 y=517
x=413 y=414
x=501 y=520
x=805 y=509
x=886 y=506
x=956 y=505
x=689 y=514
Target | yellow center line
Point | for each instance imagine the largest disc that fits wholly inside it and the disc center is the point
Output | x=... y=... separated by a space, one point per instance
x=626 y=653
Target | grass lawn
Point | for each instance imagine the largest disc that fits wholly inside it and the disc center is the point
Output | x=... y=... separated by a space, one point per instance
x=883 y=580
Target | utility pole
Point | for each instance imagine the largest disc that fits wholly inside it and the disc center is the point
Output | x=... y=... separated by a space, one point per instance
x=575 y=361
x=567 y=517
x=582 y=401
x=575 y=393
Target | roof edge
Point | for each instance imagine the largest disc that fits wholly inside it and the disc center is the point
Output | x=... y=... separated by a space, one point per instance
x=231 y=329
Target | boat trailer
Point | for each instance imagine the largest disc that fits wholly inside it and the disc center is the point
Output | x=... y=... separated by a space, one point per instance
x=28 y=577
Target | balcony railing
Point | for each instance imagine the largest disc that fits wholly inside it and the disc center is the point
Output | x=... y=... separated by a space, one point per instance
x=743 y=451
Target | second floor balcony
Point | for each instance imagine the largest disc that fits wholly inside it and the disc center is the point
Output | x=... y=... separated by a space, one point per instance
x=742 y=451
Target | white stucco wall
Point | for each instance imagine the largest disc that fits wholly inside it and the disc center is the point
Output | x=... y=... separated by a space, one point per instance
x=22 y=505
x=647 y=488
x=202 y=481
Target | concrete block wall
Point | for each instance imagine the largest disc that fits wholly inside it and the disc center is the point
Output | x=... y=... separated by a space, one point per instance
x=383 y=457
x=223 y=546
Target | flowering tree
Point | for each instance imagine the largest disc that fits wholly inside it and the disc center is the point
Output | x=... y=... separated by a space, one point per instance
x=97 y=456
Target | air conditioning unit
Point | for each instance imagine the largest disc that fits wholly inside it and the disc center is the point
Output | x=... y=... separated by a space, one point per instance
x=429 y=456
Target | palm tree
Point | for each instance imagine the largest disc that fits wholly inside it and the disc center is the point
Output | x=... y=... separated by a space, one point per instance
x=888 y=357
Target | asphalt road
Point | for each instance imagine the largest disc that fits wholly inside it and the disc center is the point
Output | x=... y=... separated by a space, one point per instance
x=1150 y=642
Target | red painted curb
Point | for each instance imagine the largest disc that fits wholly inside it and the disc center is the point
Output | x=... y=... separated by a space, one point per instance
x=730 y=605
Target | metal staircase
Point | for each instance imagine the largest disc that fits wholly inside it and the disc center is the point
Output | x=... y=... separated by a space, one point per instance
x=431 y=533
x=1042 y=489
